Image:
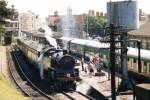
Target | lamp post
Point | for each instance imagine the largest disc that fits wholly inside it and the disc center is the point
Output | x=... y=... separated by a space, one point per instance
x=87 y=26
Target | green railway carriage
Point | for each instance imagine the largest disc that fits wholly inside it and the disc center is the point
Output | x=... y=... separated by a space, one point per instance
x=89 y=47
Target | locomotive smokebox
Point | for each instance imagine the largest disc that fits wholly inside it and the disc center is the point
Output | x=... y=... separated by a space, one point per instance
x=61 y=59
x=67 y=62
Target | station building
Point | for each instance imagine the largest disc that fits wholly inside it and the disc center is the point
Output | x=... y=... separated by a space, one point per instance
x=142 y=34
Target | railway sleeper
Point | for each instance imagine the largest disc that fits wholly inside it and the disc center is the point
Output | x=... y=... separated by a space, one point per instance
x=35 y=94
x=23 y=83
x=39 y=98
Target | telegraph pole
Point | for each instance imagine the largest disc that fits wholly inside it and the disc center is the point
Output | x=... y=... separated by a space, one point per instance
x=87 y=22
x=112 y=61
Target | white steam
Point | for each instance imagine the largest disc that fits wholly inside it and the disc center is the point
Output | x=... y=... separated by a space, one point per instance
x=48 y=36
x=83 y=87
x=39 y=48
x=69 y=26
x=40 y=65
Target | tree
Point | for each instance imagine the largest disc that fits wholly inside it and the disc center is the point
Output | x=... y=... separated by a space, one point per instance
x=4 y=13
x=95 y=25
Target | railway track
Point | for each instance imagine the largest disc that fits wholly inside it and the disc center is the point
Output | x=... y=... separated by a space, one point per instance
x=22 y=81
x=75 y=95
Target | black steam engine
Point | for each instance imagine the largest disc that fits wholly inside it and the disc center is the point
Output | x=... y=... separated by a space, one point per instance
x=52 y=64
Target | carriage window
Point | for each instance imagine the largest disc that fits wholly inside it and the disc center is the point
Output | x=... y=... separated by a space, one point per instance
x=90 y=51
x=128 y=58
x=145 y=63
x=134 y=60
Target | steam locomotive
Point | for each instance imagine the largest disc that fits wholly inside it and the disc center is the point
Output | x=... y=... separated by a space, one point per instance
x=52 y=64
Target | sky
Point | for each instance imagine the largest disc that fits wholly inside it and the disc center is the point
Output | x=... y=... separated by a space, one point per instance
x=47 y=7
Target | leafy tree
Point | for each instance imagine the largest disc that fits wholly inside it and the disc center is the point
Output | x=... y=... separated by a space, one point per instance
x=95 y=24
x=4 y=13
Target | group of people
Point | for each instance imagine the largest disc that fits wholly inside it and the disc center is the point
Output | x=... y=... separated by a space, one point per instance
x=96 y=61
x=93 y=63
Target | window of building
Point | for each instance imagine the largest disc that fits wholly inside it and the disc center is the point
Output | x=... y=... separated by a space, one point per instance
x=7 y=25
x=135 y=45
x=16 y=25
x=11 y=24
x=147 y=45
x=144 y=45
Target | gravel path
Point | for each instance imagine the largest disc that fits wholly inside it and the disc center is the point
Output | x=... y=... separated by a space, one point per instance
x=3 y=62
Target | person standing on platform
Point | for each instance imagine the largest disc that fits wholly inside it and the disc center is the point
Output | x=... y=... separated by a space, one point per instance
x=94 y=61
x=90 y=68
x=98 y=66
x=82 y=63
x=106 y=65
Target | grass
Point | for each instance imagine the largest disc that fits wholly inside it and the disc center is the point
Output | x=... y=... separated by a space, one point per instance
x=8 y=91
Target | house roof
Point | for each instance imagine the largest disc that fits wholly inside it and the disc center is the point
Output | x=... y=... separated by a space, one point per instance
x=11 y=21
x=42 y=35
x=144 y=30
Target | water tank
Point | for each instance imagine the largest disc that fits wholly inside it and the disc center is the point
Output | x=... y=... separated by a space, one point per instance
x=123 y=13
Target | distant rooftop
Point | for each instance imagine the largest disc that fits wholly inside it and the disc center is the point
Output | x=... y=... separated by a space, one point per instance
x=42 y=35
x=144 y=30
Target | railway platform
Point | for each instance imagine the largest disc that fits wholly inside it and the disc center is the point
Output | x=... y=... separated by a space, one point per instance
x=101 y=83
x=3 y=61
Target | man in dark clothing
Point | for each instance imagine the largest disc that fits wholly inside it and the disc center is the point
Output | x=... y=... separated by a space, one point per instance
x=82 y=62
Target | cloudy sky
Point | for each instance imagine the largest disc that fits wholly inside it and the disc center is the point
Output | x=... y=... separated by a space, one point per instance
x=46 y=7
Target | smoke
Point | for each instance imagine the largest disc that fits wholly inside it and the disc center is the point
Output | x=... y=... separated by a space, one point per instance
x=48 y=36
x=40 y=61
x=69 y=26
x=52 y=41
x=40 y=46
x=83 y=87
x=40 y=65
